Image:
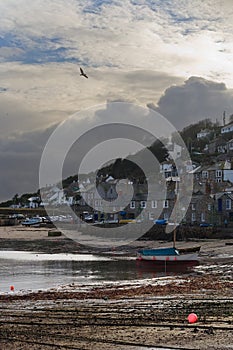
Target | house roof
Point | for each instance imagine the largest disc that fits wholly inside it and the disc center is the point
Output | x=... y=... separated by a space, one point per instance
x=216 y=166
x=110 y=178
x=221 y=194
x=195 y=170
x=218 y=141
x=227 y=125
x=197 y=197
x=204 y=131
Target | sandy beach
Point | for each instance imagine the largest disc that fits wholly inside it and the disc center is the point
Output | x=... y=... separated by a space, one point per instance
x=121 y=316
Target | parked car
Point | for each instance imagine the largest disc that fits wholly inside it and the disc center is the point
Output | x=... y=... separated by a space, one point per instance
x=87 y=217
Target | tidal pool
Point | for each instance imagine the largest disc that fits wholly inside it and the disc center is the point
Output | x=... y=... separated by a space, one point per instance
x=35 y=271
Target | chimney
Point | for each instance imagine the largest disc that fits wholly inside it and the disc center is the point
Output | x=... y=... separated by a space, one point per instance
x=224 y=118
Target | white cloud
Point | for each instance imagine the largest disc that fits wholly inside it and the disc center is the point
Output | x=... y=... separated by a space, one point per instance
x=38 y=95
x=177 y=37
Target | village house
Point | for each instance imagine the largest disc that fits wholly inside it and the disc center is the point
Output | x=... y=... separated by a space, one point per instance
x=174 y=150
x=223 y=207
x=34 y=202
x=227 y=128
x=219 y=172
x=218 y=145
x=203 y=133
x=157 y=205
x=201 y=209
x=229 y=146
x=54 y=196
x=168 y=169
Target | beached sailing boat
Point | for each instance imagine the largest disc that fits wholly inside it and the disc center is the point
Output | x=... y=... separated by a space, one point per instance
x=170 y=255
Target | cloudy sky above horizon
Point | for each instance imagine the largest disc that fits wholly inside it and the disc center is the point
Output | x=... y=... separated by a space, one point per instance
x=173 y=55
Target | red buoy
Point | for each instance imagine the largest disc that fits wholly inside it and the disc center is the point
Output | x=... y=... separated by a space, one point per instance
x=12 y=288
x=192 y=318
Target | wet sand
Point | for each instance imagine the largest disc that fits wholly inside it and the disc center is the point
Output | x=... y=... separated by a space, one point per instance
x=125 y=317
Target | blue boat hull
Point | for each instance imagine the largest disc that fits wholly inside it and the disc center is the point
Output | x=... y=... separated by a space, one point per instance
x=170 y=255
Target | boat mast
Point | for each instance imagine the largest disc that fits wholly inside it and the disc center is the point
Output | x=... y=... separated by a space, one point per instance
x=174 y=232
x=174 y=237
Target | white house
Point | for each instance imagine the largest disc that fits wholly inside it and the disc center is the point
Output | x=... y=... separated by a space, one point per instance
x=34 y=202
x=227 y=128
x=203 y=133
x=56 y=196
x=174 y=149
x=175 y=152
x=230 y=145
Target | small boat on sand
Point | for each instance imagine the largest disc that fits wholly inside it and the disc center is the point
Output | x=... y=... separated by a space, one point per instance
x=36 y=221
x=169 y=255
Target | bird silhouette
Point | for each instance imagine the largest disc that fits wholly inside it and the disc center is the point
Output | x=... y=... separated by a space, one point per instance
x=82 y=73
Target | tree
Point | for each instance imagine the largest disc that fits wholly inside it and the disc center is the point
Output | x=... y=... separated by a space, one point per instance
x=15 y=199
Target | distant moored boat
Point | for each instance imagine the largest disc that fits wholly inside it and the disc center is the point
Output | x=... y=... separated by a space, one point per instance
x=36 y=221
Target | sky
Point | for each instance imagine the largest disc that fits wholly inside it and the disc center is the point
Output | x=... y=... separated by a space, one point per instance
x=172 y=55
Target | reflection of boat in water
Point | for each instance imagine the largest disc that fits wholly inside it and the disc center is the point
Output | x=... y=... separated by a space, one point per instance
x=168 y=255
x=151 y=269
x=161 y=266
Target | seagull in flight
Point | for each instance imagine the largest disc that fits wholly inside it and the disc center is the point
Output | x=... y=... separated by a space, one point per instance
x=82 y=73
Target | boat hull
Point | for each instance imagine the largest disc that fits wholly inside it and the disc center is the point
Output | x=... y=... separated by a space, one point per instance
x=169 y=258
x=171 y=255
x=31 y=222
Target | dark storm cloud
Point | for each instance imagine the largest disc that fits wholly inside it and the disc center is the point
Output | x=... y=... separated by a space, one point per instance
x=20 y=159
x=195 y=100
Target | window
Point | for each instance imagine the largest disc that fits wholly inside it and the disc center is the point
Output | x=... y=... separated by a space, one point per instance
x=228 y=204
x=205 y=174
x=153 y=204
x=165 y=204
x=218 y=173
x=132 y=205
x=209 y=207
x=193 y=216
x=193 y=205
x=98 y=203
x=143 y=204
x=151 y=216
x=202 y=217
